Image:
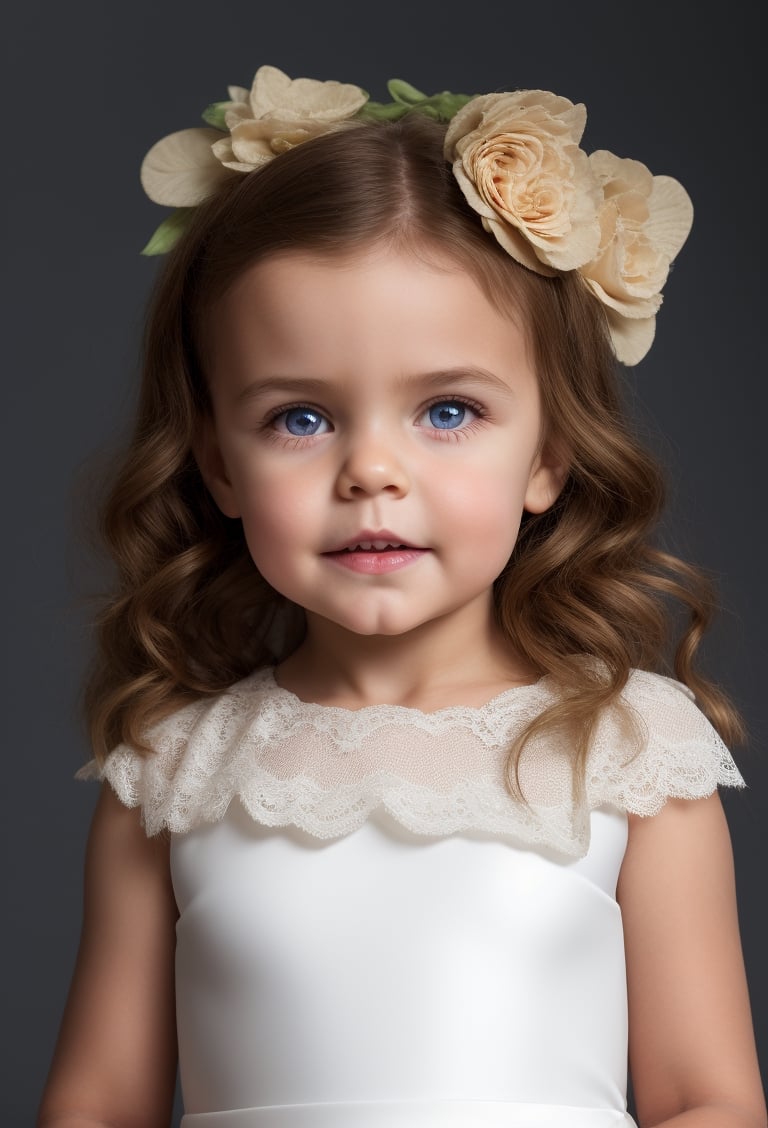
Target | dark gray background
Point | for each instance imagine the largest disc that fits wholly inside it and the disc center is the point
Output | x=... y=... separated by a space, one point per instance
x=90 y=87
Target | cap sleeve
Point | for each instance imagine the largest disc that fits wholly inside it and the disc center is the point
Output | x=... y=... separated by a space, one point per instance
x=184 y=779
x=678 y=753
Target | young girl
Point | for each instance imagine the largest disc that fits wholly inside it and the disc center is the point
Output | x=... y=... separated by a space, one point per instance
x=402 y=824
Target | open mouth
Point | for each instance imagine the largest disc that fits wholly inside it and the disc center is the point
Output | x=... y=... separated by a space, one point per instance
x=375 y=556
x=375 y=546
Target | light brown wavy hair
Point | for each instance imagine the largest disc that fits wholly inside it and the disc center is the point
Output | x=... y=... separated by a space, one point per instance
x=191 y=615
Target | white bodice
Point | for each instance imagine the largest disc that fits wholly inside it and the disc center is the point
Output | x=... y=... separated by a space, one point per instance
x=386 y=966
x=373 y=934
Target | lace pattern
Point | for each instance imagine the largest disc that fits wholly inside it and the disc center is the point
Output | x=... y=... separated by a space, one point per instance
x=324 y=768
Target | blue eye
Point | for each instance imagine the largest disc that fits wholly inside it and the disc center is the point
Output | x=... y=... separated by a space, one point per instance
x=302 y=421
x=447 y=414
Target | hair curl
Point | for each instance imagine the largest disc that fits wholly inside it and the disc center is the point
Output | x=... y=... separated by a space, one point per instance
x=191 y=614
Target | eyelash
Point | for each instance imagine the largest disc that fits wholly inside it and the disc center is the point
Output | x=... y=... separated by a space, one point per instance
x=441 y=434
x=284 y=437
x=455 y=434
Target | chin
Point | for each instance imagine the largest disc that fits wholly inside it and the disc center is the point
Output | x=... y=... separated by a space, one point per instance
x=374 y=630
x=384 y=626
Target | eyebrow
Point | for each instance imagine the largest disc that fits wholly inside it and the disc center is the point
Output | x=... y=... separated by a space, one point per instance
x=441 y=377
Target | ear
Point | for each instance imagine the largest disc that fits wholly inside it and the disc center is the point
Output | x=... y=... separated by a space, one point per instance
x=548 y=476
x=213 y=470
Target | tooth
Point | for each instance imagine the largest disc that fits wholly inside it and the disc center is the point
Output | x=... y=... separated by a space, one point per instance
x=373 y=546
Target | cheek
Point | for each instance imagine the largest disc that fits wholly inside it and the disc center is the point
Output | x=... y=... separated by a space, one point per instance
x=491 y=495
x=485 y=525
x=280 y=513
x=272 y=545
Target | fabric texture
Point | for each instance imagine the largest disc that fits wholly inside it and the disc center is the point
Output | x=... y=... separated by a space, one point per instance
x=325 y=769
x=372 y=931
x=384 y=966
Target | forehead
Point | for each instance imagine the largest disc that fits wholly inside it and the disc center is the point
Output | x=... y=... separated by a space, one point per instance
x=379 y=304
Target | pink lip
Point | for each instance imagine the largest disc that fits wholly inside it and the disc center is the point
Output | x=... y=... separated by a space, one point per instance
x=375 y=562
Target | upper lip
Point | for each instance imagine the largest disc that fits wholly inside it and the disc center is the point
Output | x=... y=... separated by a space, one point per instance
x=366 y=536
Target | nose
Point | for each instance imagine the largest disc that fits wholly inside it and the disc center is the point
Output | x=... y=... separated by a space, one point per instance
x=372 y=466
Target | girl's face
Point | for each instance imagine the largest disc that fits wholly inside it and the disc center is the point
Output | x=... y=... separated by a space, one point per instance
x=377 y=427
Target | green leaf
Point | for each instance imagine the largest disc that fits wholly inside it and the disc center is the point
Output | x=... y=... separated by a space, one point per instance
x=408 y=100
x=404 y=93
x=214 y=114
x=449 y=104
x=381 y=111
x=169 y=232
x=443 y=106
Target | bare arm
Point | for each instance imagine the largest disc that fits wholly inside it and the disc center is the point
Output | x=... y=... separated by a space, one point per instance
x=115 y=1058
x=691 y=1041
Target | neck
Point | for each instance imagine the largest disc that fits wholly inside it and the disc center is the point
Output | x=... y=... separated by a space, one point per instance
x=456 y=661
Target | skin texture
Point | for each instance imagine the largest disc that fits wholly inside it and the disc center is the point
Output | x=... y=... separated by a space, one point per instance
x=692 y=1051
x=374 y=347
x=366 y=357
x=115 y=1059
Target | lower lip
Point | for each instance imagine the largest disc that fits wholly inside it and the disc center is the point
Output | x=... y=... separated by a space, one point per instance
x=377 y=563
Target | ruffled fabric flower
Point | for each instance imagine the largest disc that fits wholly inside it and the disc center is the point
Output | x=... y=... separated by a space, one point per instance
x=279 y=113
x=552 y=207
x=517 y=160
x=184 y=168
x=274 y=93
x=644 y=221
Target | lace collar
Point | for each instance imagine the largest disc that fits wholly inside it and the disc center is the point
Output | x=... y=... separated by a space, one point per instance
x=325 y=768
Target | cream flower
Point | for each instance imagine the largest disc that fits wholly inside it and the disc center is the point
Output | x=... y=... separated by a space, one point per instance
x=185 y=168
x=297 y=99
x=517 y=159
x=644 y=221
x=279 y=113
x=254 y=142
x=181 y=170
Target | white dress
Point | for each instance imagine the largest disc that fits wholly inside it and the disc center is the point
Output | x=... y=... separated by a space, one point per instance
x=373 y=934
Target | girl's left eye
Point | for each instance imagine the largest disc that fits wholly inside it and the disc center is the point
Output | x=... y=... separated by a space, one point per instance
x=449 y=414
x=300 y=422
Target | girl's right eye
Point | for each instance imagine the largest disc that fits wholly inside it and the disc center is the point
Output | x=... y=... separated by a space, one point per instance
x=300 y=422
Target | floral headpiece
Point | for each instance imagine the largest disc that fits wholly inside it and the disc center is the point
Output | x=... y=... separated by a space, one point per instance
x=516 y=158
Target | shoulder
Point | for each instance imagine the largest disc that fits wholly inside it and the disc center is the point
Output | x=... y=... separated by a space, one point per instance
x=191 y=748
x=655 y=744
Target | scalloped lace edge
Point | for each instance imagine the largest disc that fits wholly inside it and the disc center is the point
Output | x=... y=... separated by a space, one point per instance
x=478 y=804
